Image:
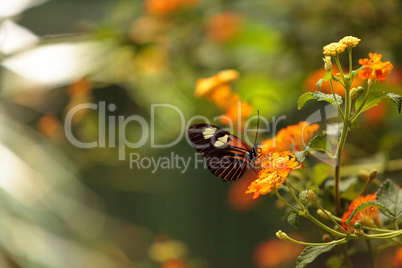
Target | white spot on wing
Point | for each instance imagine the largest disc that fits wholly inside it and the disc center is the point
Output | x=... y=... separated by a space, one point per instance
x=208 y=132
x=221 y=141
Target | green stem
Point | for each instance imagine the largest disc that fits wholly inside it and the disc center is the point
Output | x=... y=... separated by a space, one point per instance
x=337 y=104
x=293 y=195
x=284 y=201
x=346 y=259
x=362 y=105
x=346 y=124
x=336 y=242
x=338 y=166
x=384 y=235
x=370 y=249
x=329 y=216
x=365 y=187
x=323 y=226
x=340 y=70
x=350 y=60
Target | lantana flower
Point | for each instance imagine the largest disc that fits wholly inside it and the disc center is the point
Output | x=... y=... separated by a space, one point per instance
x=334 y=49
x=219 y=91
x=374 y=68
x=368 y=216
x=350 y=41
x=274 y=170
x=293 y=138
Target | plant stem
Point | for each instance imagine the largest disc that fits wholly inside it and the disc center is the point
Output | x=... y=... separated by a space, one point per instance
x=362 y=105
x=346 y=259
x=328 y=215
x=370 y=249
x=293 y=195
x=336 y=242
x=284 y=201
x=350 y=60
x=323 y=226
x=337 y=104
x=345 y=129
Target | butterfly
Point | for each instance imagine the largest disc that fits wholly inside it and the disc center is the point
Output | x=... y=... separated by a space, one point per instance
x=226 y=156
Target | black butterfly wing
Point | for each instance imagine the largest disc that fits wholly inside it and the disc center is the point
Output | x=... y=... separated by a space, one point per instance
x=227 y=156
x=227 y=165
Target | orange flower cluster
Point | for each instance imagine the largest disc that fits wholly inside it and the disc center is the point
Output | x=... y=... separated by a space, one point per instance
x=274 y=170
x=367 y=216
x=292 y=138
x=218 y=90
x=164 y=7
x=374 y=68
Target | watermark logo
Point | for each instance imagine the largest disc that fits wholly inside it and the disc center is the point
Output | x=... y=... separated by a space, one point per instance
x=112 y=133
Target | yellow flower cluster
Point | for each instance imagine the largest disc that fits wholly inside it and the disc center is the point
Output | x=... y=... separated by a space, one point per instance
x=334 y=49
x=350 y=41
x=337 y=48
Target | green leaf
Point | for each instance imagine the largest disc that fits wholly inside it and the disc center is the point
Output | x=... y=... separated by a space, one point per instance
x=374 y=98
x=391 y=197
x=309 y=254
x=303 y=99
x=320 y=173
x=328 y=75
x=397 y=99
x=293 y=219
x=320 y=143
x=319 y=96
x=364 y=206
x=319 y=82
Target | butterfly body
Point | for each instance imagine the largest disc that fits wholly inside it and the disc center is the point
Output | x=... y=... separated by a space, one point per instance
x=227 y=156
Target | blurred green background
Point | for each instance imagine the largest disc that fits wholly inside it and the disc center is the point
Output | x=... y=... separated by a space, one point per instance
x=64 y=206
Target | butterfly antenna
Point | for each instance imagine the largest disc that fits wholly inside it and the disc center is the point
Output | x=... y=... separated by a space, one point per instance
x=258 y=123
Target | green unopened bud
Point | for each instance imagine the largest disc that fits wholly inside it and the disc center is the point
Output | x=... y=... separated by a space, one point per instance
x=357 y=226
x=371 y=82
x=303 y=197
x=355 y=93
x=373 y=174
x=327 y=63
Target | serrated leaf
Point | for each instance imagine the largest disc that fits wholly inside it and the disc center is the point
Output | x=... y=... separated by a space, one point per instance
x=300 y=156
x=309 y=254
x=397 y=99
x=320 y=143
x=293 y=219
x=364 y=206
x=374 y=98
x=327 y=97
x=319 y=96
x=391 y=197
